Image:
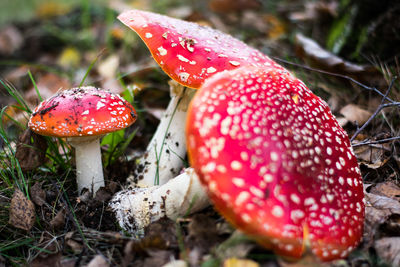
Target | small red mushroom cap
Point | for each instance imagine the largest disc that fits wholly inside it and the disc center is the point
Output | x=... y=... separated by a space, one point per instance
x=84 y=111
x=276 y=163
x=190 y=53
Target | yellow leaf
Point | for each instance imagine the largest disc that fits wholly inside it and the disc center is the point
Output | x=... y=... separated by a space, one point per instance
x=70 y=57
x=276 y=28
x=50 y=9
x=234 y=262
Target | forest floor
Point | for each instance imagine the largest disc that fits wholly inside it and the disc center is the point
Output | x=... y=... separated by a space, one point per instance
x=58 y=45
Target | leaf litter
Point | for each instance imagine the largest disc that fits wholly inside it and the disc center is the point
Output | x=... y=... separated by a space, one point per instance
x=73 y=230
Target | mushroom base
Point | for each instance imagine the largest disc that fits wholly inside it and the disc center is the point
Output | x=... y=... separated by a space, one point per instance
x=136 y=208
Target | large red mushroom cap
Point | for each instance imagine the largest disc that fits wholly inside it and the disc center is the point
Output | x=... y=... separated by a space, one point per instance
x=84 y=111
x=190 y=53
x=276 y=162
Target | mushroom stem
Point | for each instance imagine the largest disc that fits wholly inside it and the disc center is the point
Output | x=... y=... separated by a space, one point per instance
x=136 y=208
x=164 y=157
x=89 y=169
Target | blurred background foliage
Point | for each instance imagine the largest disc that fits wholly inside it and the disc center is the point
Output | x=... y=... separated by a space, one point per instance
x=46 y=45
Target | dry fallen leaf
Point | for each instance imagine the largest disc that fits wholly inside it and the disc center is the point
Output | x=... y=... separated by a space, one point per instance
x=59 y=220
x=31 y=150
x=315 y=10
x=388 y=249
x=76 y=247
x=22 y=211
x=226 y=6
x=379 y=208
x=354 y=113
x=98 y=261
x=319 y=58
x=387 y=189
x=276 y=27
x=53 y=260
x=176 y=263
x=378 y=211
x=38 y=195
x=107 y=68
x=48 y=85
x=10 y=40
x=372 y=156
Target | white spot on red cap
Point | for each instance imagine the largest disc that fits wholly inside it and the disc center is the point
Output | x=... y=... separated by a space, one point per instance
x=211 y=70
x=277 y=211
x=162 y=51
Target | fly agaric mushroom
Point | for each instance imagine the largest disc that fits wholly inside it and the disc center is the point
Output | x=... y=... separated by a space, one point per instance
x=83 y=115
x=189 y=54
x=276 y=163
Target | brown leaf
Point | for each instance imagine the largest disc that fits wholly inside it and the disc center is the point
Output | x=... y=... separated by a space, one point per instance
x=22 y=211
x=48 y=85
x=98 y=261
x=372 y=156
x=354 y=113
x=160 y=234
x=103 y=195
x=226 y=6
x=74 y=245
x=31 y=150
x=11 y=40
x=13 y=111
x=59 y=220
x=18 y=76
x=378 y=210
x=387 y=189
x=53 y=260
x=313 y=11
x=319 y=58
x=38 y=195
x=388 y=249
x=202 y=232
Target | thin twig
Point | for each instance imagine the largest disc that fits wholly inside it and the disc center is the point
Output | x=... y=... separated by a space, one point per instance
x=334 y=74
x=382 y=141
x=381 y=106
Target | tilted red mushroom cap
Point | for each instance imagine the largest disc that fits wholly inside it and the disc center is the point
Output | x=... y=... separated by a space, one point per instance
x=276 y=162
x=190 y=53
x=84 y=111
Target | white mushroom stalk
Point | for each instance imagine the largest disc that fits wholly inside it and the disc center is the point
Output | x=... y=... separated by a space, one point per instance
x=89 y=168
x=164 y=157
x=136 y=208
